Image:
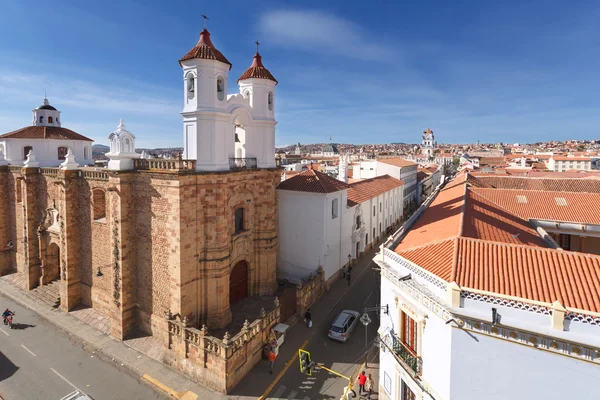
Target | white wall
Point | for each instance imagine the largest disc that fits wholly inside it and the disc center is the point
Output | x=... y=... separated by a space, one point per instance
x=366 y=170
x=487 y=368
x=46 y=151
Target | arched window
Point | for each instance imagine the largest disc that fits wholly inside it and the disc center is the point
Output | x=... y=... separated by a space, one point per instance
x=41 y=119
x=26 y=151
x=239 y=220
x=334 y=208
x=358 y=222
x=49 y=120
x=99 y=204
x=246 y=94
x=220 y=88
x=270 y=101
x=62 y=153
x=2 y=149
x=85 y=153
x=127 y=145
x=191 y=86
x=57 y=120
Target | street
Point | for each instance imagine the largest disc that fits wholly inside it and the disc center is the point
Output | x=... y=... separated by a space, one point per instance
x=39 y=362
x=287 y=382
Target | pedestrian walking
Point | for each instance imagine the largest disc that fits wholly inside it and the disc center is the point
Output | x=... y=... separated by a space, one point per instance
x=362 y=379
x=344 y=271
x=308 y=318
x=349 y=277
x=369 y=386
x=272 y=357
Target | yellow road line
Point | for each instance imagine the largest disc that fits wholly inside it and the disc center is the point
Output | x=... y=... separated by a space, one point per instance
x=283 y=371
x=182 y=396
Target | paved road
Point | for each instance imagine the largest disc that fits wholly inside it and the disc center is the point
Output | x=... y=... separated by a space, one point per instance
x=341 y=357
x=38 y=362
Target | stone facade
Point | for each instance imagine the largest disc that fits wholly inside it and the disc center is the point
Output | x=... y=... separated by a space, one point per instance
x=165 y=241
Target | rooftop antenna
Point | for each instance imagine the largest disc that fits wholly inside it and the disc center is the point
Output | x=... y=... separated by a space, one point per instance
x=257 y=44
x=205 y=18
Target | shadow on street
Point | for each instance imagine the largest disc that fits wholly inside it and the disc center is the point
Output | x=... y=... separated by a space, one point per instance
x=18 y=326
x=7 y=368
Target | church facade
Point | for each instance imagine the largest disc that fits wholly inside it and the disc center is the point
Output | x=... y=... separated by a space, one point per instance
x=160 y=245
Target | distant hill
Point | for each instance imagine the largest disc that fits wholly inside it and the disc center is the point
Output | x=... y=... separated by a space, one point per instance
x=99 y=151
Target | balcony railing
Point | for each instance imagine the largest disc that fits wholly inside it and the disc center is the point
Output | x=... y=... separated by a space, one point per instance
x=242 y=163
x=406 y=356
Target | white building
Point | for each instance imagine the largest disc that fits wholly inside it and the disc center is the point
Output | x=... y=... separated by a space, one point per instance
x=222 y=131
x=428 y=143
x=323 y=221
x=398 y=168
x=48 y=140
x=483 y=304
x=568 y=163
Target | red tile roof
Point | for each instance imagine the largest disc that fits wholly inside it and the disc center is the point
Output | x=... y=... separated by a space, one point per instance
x=312 y=181
x=397 y=162
x=257 y=70
x=44 y=132
x=556 y=158
x=544 y=184
x=366 y=189
x=205 y=50
x=480 y=238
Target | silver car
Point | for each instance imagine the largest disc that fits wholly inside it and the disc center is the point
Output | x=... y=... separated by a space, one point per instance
x=343 y=325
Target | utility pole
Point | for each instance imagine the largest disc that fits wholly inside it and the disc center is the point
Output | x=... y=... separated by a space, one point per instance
x=366 y=321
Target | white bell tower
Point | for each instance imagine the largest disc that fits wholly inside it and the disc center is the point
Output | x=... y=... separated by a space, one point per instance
x=208 y=137
x=257 y=85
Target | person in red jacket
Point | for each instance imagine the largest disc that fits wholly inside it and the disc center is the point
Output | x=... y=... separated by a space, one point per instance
x=362 y=379
x=272 y=358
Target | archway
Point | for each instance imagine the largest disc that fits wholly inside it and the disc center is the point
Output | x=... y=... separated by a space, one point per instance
x=51 y=263
x=238 y=283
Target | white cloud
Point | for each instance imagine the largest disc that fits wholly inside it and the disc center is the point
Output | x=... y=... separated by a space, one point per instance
x=321 y=32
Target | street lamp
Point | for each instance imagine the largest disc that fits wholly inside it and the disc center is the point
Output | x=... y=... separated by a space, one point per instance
x=366 y=321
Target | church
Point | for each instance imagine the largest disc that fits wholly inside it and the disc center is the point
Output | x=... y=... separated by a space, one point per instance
x=167 y=248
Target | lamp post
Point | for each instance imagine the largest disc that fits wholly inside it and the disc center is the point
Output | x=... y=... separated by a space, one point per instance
x=366 y=321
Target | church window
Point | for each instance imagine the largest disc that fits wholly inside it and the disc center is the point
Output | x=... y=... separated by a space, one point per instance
x=358 y=222
x=220 y=88
x=99 y=204
x=49 y=120
x=127 y=145
x=62 y=153
x=366 y=239
x=85 y=153
x=270 y=101
x=41 y=119
x=334 y=209
x=374 y=210
x=374 y=233
x=380 y=206
x=239 y=220
x=26 y=151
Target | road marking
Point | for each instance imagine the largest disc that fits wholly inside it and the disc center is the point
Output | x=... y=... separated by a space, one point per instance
x=279 y=391
x=64 y=379
x=292 y=395
x=283 y=371
x=181 y=396
x=29 y=351
x=3 y=331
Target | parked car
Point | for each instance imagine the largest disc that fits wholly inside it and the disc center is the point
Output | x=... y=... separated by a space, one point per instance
x=343 y=325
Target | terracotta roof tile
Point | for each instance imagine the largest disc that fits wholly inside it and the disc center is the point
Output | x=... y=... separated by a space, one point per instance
x=556 y=158
x=553 y=184
x=312 y=181
x=366 y=189
x=205 y=50
x=44 y=132
x=257 y=70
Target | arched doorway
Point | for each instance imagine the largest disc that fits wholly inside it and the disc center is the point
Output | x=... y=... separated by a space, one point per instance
x=238 y=283
x=52 y=263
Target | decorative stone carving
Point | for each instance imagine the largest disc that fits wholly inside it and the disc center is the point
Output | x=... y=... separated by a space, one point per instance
x=246 y=326
x=3 y=161
x=184 y=321
x=204 y=330
x=31 y=161
x=276 y=302
x=69 y=163
x=226 y=339
x=262 y=312
x=168 y=315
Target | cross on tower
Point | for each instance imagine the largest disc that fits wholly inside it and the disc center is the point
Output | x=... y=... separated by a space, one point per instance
x=205 y=18
x=257 y=44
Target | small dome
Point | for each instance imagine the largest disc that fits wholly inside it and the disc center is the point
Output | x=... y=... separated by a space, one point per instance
x=257 y=70
x=46 y=106
x=205 y=50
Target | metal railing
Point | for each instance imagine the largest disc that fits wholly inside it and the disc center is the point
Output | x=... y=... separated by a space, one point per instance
x=407 y=357
x=242 y=163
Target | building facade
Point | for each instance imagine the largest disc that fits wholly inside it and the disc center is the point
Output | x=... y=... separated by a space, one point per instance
x=428 y=143
x=480 y=302
x=563 y=164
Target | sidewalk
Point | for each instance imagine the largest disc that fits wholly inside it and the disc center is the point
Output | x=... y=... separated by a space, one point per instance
x=138 y=364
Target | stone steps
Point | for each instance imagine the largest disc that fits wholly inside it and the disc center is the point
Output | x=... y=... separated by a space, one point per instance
x=48 y=294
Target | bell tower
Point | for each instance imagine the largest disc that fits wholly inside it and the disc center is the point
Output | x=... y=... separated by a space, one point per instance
x=208 y=138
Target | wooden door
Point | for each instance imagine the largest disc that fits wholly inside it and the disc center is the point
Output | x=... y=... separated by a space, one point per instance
x=238 y=283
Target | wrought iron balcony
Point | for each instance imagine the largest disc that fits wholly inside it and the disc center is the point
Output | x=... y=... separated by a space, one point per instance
x=406 y=356
x=242 y=163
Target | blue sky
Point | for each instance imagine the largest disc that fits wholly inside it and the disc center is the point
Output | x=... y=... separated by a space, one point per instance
x=375 y=72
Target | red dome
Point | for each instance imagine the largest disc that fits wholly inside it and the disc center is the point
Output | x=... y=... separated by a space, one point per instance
x=257 y=70
x=205 y=50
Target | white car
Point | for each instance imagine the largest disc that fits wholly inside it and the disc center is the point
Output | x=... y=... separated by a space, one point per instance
x=343 y=325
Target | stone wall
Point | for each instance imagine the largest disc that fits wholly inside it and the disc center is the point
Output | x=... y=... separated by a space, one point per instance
x=308 y=292
x=219 y=364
